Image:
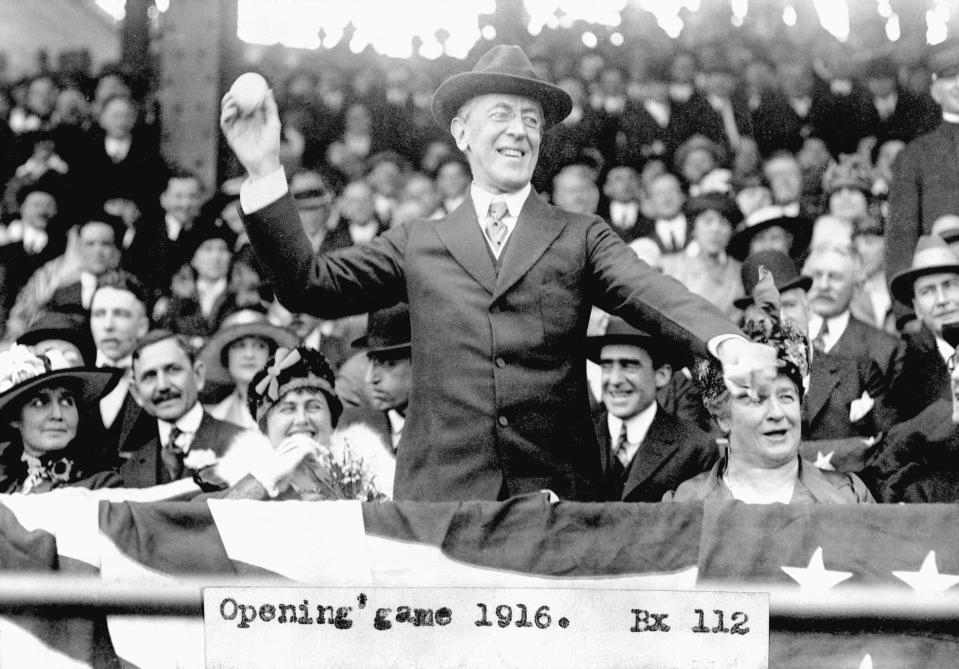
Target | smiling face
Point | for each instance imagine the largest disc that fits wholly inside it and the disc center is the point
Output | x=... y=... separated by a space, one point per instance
x=304 y=411
x=245 y=358
x=630 y=379
x=500 y=135
x=48 y=420
x=764 y=433
x=165 y=382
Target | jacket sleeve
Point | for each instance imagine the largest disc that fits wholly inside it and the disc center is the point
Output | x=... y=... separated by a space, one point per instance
x=905 y=219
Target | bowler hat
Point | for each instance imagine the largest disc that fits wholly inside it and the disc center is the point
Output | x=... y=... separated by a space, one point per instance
x=387 y=330
x=932 y=256
x=783 y=269
x=619 y=331
x=503 y=69
x=766 y=217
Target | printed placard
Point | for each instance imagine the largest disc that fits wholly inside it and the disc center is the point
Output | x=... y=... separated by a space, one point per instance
x=484 y=627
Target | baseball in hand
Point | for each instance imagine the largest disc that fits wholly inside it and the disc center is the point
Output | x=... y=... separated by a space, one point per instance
x=249 y=91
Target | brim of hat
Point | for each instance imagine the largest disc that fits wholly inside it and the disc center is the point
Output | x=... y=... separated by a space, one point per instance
x=364 y=342
x=734 y=216
x=855 y=185
x=94 y=384
x=211 y=354
x=804 y=282
x=901 y=285
x=459 y=88
x=672 y=355
x=801 y=231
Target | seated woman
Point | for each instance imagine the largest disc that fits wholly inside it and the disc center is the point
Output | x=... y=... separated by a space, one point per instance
x=238 y=350
x=42 y=399
x=761 y=464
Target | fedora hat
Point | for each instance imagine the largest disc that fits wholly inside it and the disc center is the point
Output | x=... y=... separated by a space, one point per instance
x=932 y=256
x=783 y=269
x=619 y=331
x=387 y=330
x=503 y=69
x=766 y=217
x=236 y=326
x=23 y=372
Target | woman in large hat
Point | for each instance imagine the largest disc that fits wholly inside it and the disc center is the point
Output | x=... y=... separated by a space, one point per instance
x=238 y=350
x=42 y=399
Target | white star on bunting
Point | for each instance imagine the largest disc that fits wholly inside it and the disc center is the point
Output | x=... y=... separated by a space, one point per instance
x=866 y=662
x=928 y=580
x=825 y=461
x=815 y=577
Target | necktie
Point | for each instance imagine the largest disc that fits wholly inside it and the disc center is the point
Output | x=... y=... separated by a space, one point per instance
x=617 y=461
x=172 y=455
x=495 y=228
x=819 y=341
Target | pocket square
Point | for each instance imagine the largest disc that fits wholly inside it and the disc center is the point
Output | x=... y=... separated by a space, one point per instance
x=860 y=408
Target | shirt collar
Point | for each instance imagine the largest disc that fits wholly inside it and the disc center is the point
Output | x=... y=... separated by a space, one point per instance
x=837 y=325
x=397 y=422
x=188 y=423
x=514 y=201
x=945 y=349
x=636 y=428
x=104 y=361
x=950 y=117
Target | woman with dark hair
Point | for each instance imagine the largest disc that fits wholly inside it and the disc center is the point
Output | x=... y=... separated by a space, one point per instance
x=42 y=399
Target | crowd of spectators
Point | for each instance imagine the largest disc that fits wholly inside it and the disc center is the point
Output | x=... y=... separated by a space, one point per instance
x=708 y=168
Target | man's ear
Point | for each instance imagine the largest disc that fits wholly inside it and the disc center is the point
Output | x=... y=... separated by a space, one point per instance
x=663 y=375
x=199 y=371
x=458 y=130
x=143 y=327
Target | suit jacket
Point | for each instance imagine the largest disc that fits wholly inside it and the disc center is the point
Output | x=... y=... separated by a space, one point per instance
x=672 y=452
x=864 y=343
x=777 y=126
x=925 y=186
x=499 y=401
x=834 y=383
x=145 y=468
x=920 y=377
x=911 y=117
x=140 y=176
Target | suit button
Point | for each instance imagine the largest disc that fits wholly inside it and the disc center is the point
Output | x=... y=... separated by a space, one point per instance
x=500 y=363
x=502 y=421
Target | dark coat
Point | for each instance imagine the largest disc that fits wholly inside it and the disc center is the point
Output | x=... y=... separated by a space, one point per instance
x=834 y=383
x=864 y=343
x=921 y=376
x=140 y=176
x=127 y=430
x=499 y=403
x=777 y=126
x=145 y=468
x=672 y=452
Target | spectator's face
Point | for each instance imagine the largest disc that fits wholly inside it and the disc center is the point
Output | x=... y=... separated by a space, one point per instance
x=764 y=433
x=356 y=202
x=936 y=300
x=847 y=203
x=98 y=249
x=698 y=164
x=37 y=209
x=452 y=180
x=41 y=96
x=629 y=380
x=211 y=260
x=611 y=82
x=833 y=282
x=385 y=178
x=71 y=353
x=945 y=91
x=712 y=232
x=166 y=383
x=117 y=320
x=71 y=107
x=683 y=69
x=574 y=192
x=500 y=135
x=388 y=382
x=773 y=238
x=872 y=250
x=751 y=198
x=181 y=199
x=108 y=86
x=48 y=421
x=312 y=198
x=665 y=197
x=302 y=411
x=117 y=118
x=245 y=358
x=419 y=188
x=622 y=184
x=785 y=179
x=794 y=308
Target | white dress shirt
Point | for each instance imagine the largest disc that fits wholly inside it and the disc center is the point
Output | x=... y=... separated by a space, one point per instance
x=111 y=403
x=34 y=239
x=514 y=204
x=660 y=112
x=837 y=326
x=397 y=423
x=208 y=292
x=116 y=148
x=623 y=214
x=946 y=349
x=188 y=423
x=673 y=228
x=173 y=227
x=636 y=429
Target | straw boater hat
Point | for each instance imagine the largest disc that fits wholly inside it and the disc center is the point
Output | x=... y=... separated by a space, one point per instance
x=785 y=276
x=765 y=217
x=22 y=373
x=236 y=326
x=932 y=256
x=619 y=331
x=387 y=331
x=503 y=69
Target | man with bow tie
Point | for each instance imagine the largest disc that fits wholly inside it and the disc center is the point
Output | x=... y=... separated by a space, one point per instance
x=622 y=187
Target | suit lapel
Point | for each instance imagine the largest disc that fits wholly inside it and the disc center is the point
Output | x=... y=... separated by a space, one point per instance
x=823 y=378
x=461 y=234
x=129 y=413
x=535 y=230
x=655 y=450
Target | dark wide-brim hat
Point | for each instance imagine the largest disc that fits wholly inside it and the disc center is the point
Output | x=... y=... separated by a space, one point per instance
x=89 y=383
x=766 y=217
x=619 y=332
x=387 y=331
x=785 y=274
x=503 y=69
x=932 y=256
x=237 y=326
x=715 y=201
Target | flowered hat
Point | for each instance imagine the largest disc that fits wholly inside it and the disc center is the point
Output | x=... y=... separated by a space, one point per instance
x=852 y=171
x=22 y=372
x=236 y=326
x=292 y=369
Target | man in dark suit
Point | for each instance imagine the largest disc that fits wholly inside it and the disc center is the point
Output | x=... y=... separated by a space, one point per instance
x=98 y=240
x=889 y=111
x=926 y=174
x=499 y=291
x=167 y=381
x=645 y=451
